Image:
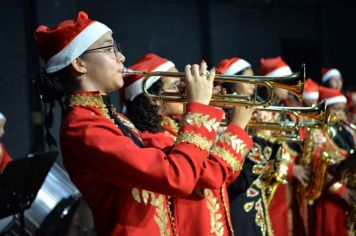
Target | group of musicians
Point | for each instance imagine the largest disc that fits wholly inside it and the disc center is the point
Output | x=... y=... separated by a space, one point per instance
x=189 y=168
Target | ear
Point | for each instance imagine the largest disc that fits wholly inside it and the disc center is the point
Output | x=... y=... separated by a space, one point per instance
x=79 y=66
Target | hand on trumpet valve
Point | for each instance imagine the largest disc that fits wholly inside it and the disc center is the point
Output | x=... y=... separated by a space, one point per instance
x=199 y=83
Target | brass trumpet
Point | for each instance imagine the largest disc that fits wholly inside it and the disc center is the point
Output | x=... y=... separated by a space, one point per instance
x=316 y=112
x=293 y=83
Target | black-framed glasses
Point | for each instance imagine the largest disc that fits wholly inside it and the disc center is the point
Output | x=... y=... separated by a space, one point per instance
x=114 y=50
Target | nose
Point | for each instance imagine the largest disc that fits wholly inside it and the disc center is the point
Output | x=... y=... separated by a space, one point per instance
x=120 y=57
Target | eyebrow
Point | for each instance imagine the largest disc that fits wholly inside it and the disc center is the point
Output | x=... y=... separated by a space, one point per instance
x=108 y=41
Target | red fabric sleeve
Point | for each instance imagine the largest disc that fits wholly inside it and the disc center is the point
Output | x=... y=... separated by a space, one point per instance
x=93 y=147
x=230 y=149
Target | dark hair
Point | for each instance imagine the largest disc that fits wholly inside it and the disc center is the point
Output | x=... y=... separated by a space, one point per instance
x=143 y=113
x=327 y=84
x=51 y=88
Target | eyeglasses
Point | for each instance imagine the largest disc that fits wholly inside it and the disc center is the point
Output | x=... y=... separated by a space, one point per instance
x=176 y=86
x=113 y=50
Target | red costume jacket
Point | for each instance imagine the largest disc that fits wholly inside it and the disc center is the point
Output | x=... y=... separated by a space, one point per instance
x=280 y=207
x=122 y=183
x=4 y=157
x=206 y=212
x=330 y=208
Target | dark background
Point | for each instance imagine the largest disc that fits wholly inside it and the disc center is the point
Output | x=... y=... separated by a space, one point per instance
x=318 y=32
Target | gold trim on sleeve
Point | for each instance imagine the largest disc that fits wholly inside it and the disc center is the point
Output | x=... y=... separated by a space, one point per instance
x=237 y=144
x=228 y=157
x=199 y=119
x=196 y=139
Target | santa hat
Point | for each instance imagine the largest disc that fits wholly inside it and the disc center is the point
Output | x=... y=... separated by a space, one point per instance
x=232 y=66
x=331 y=95
x=311 y=90
x=274 y=67
x=60 y=45
x=150 y=62
x=328 y=73
x=2 y=117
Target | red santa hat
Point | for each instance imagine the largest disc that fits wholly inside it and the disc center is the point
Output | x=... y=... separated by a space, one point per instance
x=60 y=45
x=274 y=67
x=328 y=73
x=150 y=62
x=331 y=95
x=232 y=66
x=311 y=90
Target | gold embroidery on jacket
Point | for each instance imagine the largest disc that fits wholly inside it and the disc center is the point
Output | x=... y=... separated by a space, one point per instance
x=237 y=144
x=225 y=200
x=89 y=100
x=161 y=217
x=199 y=119
x=248 y=206
x=166 y=120
x=195 y=139
x=264 y=201
x=260 y=219
x=285 y=160
x=216 y=226
x=251 y=192
x=228 y=157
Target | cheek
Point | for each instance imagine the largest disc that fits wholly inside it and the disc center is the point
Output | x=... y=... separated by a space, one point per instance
x=173 y=108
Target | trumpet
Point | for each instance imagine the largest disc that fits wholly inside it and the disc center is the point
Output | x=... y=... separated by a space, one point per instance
x=293 y=83
x=315 y=112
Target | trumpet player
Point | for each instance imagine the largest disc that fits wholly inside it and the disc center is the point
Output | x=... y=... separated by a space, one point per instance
x=206 y=210
x=249 y=215
x=280 y=206
x=331 y=78
x=122 y=180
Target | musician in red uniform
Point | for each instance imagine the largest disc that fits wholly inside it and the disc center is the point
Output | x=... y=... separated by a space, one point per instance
x=337 y=197
x=122 y=181
x=280 y=206
x=198 y=213
x=5 y=158
x=331 y=78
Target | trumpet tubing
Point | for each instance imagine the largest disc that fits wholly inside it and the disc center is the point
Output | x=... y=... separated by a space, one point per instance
x=315 y=112
x=293 y=83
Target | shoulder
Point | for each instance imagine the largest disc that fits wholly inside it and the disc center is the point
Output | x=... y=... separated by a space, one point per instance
x=79 y=119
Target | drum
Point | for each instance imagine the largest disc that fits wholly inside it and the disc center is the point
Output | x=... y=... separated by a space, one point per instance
x=53 y=206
